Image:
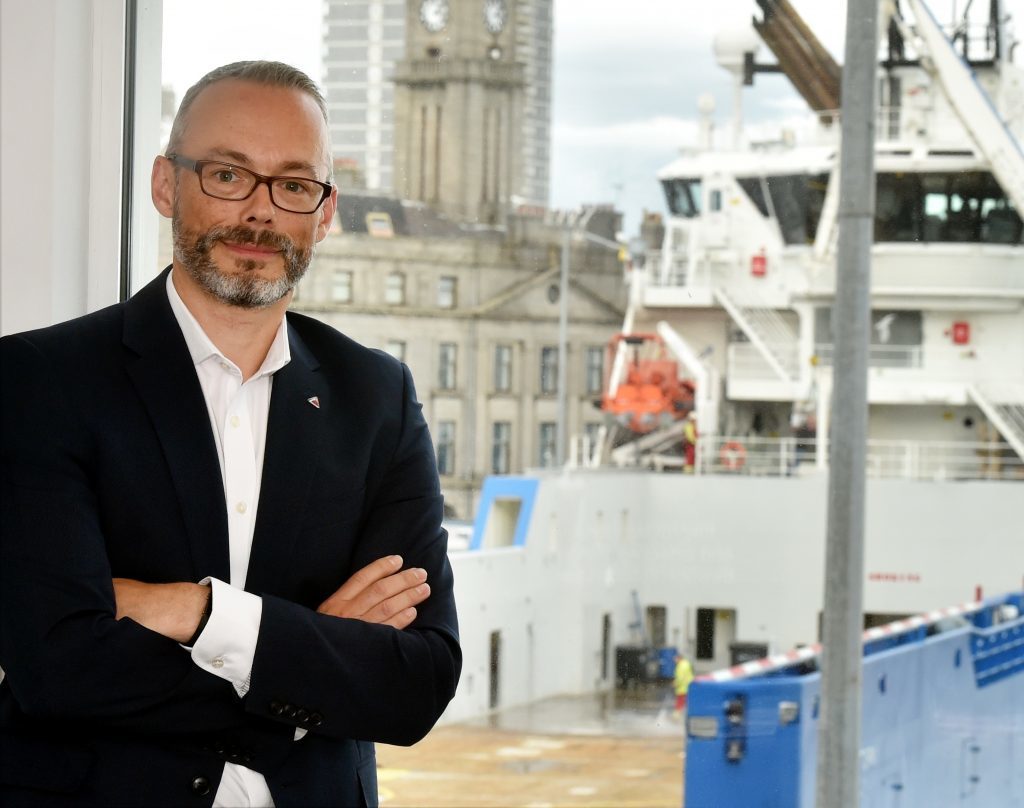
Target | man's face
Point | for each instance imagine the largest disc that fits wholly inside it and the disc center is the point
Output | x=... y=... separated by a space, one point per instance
x=246 y=253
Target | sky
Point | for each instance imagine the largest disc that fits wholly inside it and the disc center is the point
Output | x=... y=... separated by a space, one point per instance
x=627 y=77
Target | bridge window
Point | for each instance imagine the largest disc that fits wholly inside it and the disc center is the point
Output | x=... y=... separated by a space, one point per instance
x=798 y=200
x=754 y=187
x=962 y=206
x=683 y=196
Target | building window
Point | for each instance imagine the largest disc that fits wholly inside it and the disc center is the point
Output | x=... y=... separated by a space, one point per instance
x=446 y=366
x=547 y=449
x=501 y=447
x=502 y=368
x=446 y=292
x=394 y=292
x=591 y=438
x=341 y=286
x=396 y=348
x=595 y=369
x=446 y=447
x=549 y=369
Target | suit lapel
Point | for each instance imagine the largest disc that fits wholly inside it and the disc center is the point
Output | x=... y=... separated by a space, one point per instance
x=296 y=433
x=166 y=381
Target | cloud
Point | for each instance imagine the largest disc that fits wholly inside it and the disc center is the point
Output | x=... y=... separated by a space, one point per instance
x=659 y=133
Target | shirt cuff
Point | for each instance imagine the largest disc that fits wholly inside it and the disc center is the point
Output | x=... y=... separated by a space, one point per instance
x=227 y=646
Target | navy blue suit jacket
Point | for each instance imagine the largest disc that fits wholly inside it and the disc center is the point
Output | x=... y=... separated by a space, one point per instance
x=110 y=470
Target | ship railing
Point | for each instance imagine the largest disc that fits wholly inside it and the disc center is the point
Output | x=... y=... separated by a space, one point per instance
x=886 y=459
x=822 y=128
x=879 y=356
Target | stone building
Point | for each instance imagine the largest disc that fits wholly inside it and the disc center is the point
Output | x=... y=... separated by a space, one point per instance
x=475 y=316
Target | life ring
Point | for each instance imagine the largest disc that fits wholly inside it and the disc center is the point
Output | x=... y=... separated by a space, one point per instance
x=732 y=455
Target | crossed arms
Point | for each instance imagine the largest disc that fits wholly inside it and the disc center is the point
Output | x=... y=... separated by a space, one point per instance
x=380 y=592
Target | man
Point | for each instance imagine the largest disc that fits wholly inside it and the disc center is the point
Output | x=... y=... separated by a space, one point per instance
x=690 y=442
x=222 y=571
x=681 y=683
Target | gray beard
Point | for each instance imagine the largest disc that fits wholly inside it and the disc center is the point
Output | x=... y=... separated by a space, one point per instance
x=244 y=289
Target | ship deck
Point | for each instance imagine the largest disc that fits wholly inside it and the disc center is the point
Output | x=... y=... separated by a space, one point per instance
x=618 y=748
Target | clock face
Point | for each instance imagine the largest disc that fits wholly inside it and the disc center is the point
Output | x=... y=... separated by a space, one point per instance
x=495 y=15
x=434 y=14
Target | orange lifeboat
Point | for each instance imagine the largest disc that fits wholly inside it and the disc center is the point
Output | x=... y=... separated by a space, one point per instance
x=651 y=394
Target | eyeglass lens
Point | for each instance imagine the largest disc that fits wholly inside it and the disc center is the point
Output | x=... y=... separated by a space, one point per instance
x=290 y=193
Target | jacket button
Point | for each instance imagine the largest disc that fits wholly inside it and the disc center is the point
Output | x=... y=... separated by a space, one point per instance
x=276 y=707
x=302 y=714
x=316 y=719
x=289 y=711
x=200 y=786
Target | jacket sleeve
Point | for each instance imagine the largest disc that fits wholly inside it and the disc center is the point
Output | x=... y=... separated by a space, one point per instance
x=346 y=678
x=64 y=654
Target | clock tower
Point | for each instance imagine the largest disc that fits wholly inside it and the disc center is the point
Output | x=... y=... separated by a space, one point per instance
x=458 y=108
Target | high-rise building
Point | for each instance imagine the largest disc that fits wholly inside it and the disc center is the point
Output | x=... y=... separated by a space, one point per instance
x=533 y=35
x=364 y=42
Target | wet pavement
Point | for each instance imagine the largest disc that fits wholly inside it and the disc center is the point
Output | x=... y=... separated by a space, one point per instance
x=610 y=749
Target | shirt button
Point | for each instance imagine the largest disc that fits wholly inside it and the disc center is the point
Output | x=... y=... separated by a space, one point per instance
x=235 y=420
x=225 y=366
x=218 y=662
x=240 y=507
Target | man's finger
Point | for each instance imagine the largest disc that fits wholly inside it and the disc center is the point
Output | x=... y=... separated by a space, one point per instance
x=402 y=619
x=386 y=611
x=375 y=594
x=368 y=575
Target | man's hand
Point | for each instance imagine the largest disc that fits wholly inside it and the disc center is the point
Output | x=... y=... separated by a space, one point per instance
x=380 y=592
x=173 y=610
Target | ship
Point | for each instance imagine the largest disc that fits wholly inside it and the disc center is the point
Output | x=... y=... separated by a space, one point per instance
x=579 y=579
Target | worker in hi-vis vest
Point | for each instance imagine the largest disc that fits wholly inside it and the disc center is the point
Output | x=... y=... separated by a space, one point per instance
x=681 y=682
x=690 y=442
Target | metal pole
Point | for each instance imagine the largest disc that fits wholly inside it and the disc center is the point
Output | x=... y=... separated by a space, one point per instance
x=563 y=348
x=838 y=783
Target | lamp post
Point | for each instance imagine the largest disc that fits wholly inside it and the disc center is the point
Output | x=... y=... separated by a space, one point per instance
x=563 y=348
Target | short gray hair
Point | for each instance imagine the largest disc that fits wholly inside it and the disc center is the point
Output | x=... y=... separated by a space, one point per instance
x=272 y=74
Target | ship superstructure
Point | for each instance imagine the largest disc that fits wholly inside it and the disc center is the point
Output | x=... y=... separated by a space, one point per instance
x=743 y=284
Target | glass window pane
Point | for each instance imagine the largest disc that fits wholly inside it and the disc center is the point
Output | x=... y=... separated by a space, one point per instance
x=549 y=369
x=502 y=368
x=446 y=377
x=341 y=288
x=394 y=291
x=446 y=447
x=500 y=447
x=446 y=292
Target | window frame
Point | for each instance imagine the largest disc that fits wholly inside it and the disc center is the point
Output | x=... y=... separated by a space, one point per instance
x=447 y=366
x=548 y=376
x=502 y=375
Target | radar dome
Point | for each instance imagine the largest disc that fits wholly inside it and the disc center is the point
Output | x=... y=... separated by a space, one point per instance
x=731 y=43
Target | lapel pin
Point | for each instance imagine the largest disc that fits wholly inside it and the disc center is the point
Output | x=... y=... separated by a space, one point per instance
x=314 y=400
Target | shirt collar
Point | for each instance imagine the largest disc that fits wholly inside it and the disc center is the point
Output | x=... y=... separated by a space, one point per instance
x=201 y=347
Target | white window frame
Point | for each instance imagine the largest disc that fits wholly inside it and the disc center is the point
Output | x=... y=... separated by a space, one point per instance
x=447 y=366
x=447 y=286
x=394 y=289
x=502 y=368
x=501 y=447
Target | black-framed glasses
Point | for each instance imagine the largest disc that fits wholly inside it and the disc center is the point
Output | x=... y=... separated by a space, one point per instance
x=227 y=181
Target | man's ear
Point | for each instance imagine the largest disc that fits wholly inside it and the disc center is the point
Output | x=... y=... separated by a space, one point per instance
x=327 y=214
x=162 y=186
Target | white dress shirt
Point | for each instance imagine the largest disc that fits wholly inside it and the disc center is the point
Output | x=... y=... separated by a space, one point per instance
x=238 y=413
